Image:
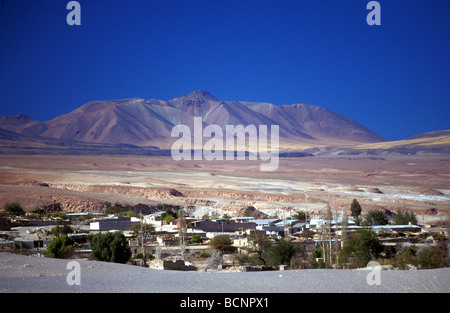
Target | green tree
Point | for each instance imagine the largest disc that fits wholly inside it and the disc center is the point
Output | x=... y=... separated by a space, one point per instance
x=360 y=249
x=169 y=216
x=110 y=247
x=403 y=217
x=355 y=211
x=264 y=251
x=423 y=258
x=60 y=247
x=406 y=258
x=196 y=239
x=317 y=260
x=61 y=230
x=433 y=257
x=221 y=243
x=259 y=245
x=13 y=208
x=282 y=252
x=144 y=228
x=302 y=216
x=114 y=209
x=376 y=217
x=226 y=217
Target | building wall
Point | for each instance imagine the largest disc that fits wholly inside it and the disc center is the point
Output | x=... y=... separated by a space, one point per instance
x=226 y=226
x=4 y=225
x=111 y=224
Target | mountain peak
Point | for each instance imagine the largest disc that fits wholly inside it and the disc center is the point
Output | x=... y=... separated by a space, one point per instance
x=201 y=95
x=20 y=117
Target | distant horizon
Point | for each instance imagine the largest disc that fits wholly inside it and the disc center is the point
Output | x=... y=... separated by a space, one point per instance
x=392 y=78
x=25 y=113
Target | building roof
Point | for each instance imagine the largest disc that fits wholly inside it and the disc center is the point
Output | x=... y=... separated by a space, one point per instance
x=266 y=221
x=286 y=222
x=320 y=221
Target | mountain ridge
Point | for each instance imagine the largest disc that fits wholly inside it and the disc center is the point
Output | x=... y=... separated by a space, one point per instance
x=142 y=122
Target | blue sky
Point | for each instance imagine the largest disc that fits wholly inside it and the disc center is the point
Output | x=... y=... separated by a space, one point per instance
x=393 y=78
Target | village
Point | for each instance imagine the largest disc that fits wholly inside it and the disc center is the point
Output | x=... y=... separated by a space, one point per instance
x=175 y=240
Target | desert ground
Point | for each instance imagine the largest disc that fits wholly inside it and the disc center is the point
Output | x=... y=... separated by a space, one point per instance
x=92 y=183
x=20 y=273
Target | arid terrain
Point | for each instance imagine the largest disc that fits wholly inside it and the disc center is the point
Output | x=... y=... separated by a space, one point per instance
x=92 y=183
x=20 y=274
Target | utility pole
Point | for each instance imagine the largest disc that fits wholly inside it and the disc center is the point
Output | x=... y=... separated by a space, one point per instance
x=142 y=235
x=182 y=231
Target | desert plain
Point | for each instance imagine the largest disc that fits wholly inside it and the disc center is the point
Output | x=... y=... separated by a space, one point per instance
x=149 y=184
x=92 y=183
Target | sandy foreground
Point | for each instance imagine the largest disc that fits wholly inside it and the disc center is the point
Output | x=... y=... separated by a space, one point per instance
x=19 y=273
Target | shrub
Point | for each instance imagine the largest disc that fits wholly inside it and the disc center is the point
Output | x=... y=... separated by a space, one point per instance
x=196 y=239
x=13 y=208
x=425 y=258
x=110 y=247
x=114 y=209
x=433 y=257
x=318 y=254
x=376 y=217
x=168 y=216
x=221 y=243
x=406 y=258
x=140 y=255
x=302 y=216
x=60 y=247
x=39 y=211
x=61 y=230
x=355 y=211
x=204 y=254
x=402 y=217
x=360 y=249
x=282 y=252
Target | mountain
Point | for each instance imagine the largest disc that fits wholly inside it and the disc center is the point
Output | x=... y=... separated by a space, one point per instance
x=431 y=142
x=16 y=123
x=147 y=123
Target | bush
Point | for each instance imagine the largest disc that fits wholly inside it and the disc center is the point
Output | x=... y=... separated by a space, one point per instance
x=360 y=249
x=114 y=209
x=221 y=243
x=61 y=230
x=302 y=216
x=196 y=239
x=355 y=211
x=60 y=247
x=404 y=218
x=425 y=258
x=110 y=247
x=204 y=254
x=433 y=257
x=140 y=255
x=376 y=217
x=174 y=267
x=168 y=216
x=39 y=211
x=13 y=209
x=264 y=251
x=318 y=254
x=406 y=258
x=282 y=252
